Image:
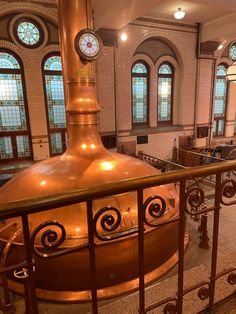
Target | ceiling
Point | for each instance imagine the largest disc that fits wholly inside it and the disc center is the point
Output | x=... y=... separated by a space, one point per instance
x=218 y=17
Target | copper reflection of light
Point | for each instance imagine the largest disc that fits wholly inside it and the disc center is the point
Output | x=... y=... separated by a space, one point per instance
x=43 y=182
x=106 y=165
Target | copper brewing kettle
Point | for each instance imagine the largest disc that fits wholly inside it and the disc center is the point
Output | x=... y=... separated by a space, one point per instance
x=87 y=163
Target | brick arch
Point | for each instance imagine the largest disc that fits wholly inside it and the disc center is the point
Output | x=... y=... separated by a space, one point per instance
x=223 y=60
x=165 y=38
x=143 y=57
x=19 y=7
x=14 y=48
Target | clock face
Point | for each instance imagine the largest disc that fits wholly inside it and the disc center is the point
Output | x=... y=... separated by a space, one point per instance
x=232 y=52
x=87 y=44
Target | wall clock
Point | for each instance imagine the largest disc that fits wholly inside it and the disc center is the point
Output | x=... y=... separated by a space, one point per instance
x=87 y=44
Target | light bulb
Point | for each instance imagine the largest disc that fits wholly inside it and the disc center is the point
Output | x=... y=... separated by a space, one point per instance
x=123 y=36
x=179 y=14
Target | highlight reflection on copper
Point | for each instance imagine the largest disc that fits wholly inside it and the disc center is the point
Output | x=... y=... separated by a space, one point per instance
x=43 y=182
x=106 y=165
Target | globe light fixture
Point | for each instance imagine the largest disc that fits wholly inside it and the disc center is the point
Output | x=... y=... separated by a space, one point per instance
x=231 y=73
x=123 y=36
x=179 y=14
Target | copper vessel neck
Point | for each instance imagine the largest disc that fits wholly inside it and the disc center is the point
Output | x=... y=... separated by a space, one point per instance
x=81 y=103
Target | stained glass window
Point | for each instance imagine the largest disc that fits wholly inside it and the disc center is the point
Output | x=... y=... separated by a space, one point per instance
x=232 y=52
x=165 y=83
x=53 y=64
x=55 y=104
x=140 y=93
x=220 y=100
x=13 y=116
x=28 y=33
x=7 y=61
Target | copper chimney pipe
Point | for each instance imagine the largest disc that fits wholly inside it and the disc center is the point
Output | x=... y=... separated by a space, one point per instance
x=78 y=75
x=87 y=163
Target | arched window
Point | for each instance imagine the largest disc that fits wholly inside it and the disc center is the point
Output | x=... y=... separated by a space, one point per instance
x=140 y=94
x=165 y=93
x=220 y=101
x=14 y=124
x=53 y=83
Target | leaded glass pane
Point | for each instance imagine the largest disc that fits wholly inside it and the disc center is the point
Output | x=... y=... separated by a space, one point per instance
x=6 y=150
x=165 y=69
x=164 y=98
x=53 y=64
x=23 y=148
x=214 y=128
x=55 y=100
x=220 y=130
x=12 y=107
x=28 y=33
x=139 y=86
x=7 y=61
x=220 y=97
x=221 y=70
x=139 y=68
x=56 y=143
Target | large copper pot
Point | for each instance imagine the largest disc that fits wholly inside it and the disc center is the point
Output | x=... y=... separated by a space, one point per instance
x=87 y=163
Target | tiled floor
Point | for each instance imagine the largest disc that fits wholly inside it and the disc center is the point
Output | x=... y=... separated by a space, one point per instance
x=194 y=257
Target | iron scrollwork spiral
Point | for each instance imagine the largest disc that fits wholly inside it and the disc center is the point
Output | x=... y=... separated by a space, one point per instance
x=106 y=221
x=154 y=207
x=195 y=198
x=228 y=190
x=50 y=239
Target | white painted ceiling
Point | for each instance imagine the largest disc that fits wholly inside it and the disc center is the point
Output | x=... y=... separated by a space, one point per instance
x=218 y=17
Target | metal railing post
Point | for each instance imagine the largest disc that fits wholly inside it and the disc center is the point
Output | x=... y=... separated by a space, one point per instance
x=141 y=251
x=31 y=306
x=215 y=240
x=182 y=224
x=92 y=256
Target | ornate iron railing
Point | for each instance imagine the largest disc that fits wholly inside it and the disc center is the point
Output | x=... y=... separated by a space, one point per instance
x=109 y=219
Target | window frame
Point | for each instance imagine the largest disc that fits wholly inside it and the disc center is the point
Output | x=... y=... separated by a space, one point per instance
x=37 y=24
x=232 y=44
x=14 y=134
x=50 y=130
x=147 y=75
x=222 y=118
x=172 y=76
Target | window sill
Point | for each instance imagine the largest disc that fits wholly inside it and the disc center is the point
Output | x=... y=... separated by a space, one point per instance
x=155 y=130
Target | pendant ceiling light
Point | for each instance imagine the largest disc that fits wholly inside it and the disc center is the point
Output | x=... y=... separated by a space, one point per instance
x=179 y=14
x=231 y=73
